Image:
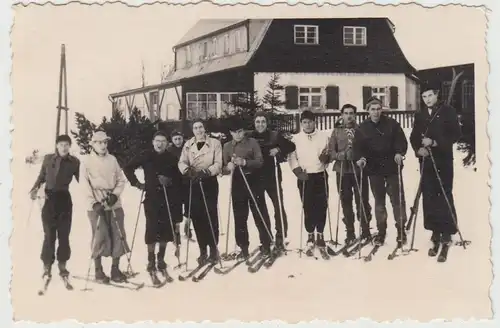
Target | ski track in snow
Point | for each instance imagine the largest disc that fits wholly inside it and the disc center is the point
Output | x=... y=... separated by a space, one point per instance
x=305 y=289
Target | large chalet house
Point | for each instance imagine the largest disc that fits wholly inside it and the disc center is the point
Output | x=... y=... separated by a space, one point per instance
x=322 y=64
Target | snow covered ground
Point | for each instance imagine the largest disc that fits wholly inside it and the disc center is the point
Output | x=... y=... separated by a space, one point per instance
x=294 y=289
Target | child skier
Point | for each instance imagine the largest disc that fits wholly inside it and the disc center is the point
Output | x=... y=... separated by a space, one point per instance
x=160 y=175
x=103 y=182
x=57 y=171
x=308 y=163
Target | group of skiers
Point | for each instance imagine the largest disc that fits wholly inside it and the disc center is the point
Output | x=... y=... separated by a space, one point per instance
x=180 y=181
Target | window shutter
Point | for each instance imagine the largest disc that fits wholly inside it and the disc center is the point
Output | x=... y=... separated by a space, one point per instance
x=367 y=93
x=292 y=97
x=393 y=94
x=332 y=97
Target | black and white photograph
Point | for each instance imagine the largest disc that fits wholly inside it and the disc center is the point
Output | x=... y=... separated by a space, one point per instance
x=251 y=163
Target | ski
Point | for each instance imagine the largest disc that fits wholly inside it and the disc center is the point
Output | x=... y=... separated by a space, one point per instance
x=324 y=253
x=344 y=249
x=374 y=251
x=259 y=263
x=252 y=260
x=127 y=285
x=192 y=272
x=46 y=281
x=203 y=274
x=394 y=251
x=310 y=252
x=274 y=256
x=330 y=250
x=358 y=247
x=66 y=283
x=235 y=265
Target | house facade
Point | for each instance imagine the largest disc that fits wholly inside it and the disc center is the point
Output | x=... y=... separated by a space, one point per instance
x=321 y=63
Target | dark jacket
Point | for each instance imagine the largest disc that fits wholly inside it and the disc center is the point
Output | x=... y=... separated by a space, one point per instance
x=153 y=165
x=175 y=150
x=267 y=141
x=248 y=149
x=341 y=140
x=57 y=172
x=441 y=125
x=379 y=143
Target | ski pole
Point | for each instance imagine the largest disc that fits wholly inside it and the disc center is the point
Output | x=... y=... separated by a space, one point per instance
x=30 y=212
x=462 y=242
x=170 y=219
x=280 y=199
x=327 y=194
x=417 y=198
x=359 y=185
x=226 y=254
x=256 y=204
x=302 y=194
x=209 y=217
x=401 y=207
x=129 y=268
x=189 y=218
x=338 y=202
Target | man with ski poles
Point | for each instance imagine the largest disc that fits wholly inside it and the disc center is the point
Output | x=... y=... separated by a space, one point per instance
x=435 y=130
x=341 y=151
x=162 y=201
x=104 y=182
x=379 y=149
x=242 y=156
x=308 y=163
x=57 y=172
x=274 y=147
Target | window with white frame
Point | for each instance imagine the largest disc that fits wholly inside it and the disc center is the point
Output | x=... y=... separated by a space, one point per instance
x=227 y=99
x=306 y=34
x=354 y=36
x=382 y=93
x=310 y=98
x=201 y=105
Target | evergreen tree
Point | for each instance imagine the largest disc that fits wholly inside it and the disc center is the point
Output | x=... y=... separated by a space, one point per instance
x=272 y=99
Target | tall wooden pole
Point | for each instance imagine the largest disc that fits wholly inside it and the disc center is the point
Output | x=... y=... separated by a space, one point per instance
x=62 y=103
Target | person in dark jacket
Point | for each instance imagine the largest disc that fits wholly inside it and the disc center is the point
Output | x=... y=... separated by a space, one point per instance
x=175 y=148
x=242 y=157
x=379 y=148
x=340 y=151
x=162 y=212
x=57 y=172
x=435 y=130
x=274 y=149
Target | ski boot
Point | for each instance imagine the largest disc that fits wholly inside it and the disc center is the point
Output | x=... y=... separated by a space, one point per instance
x=379 y=239
x=435 y=239
x=280 y=244
x=366 y=235
x=214 y=255
x=100 y=276
x=243 y=255
x=445 y=246
x=151 y=263
x=265 y=250
x=350 y=238
x=310 y=244
x=117 y=275
x=63 y=272
x=161 y=265
x=203 y=258
x=47 y=271
x=320 y=240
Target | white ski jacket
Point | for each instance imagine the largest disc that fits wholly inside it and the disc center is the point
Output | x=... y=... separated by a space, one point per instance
x=308 y=147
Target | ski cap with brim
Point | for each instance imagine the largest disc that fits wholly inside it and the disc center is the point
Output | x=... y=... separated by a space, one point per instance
x=100 y=136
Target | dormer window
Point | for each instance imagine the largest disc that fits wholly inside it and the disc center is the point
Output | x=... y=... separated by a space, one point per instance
x=306 y=34
x=354 y=36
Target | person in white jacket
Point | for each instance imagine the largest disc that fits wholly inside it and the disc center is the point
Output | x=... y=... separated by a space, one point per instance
x=103 y=182
x=308 y=163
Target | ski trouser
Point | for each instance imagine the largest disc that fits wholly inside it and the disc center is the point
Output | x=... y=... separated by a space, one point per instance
x=57 y=214
x=382 y=185
x=347 y=192
x=106 y=237
x=314 y=201
x=437 y=216
x=158 y=227
x=201 y=221
x=242 y=203
x=269 y=185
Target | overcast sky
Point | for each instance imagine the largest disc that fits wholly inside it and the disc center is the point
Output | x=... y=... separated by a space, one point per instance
x=106 y=44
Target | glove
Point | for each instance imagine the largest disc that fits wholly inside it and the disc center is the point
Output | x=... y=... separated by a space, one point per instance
x=398 y=158
x=361 y=162
x=422 y=152
x=274 y=151
x=140 y=186
x=33 y=194
x=426 y=142
x=202 y=174
x=165 y=181
x=324 y=157
x=300 y=173
x=239 y=161
x=111 y=199
x=349 y=154
x=230 y=167
x=98 y=208
x=191 y=172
